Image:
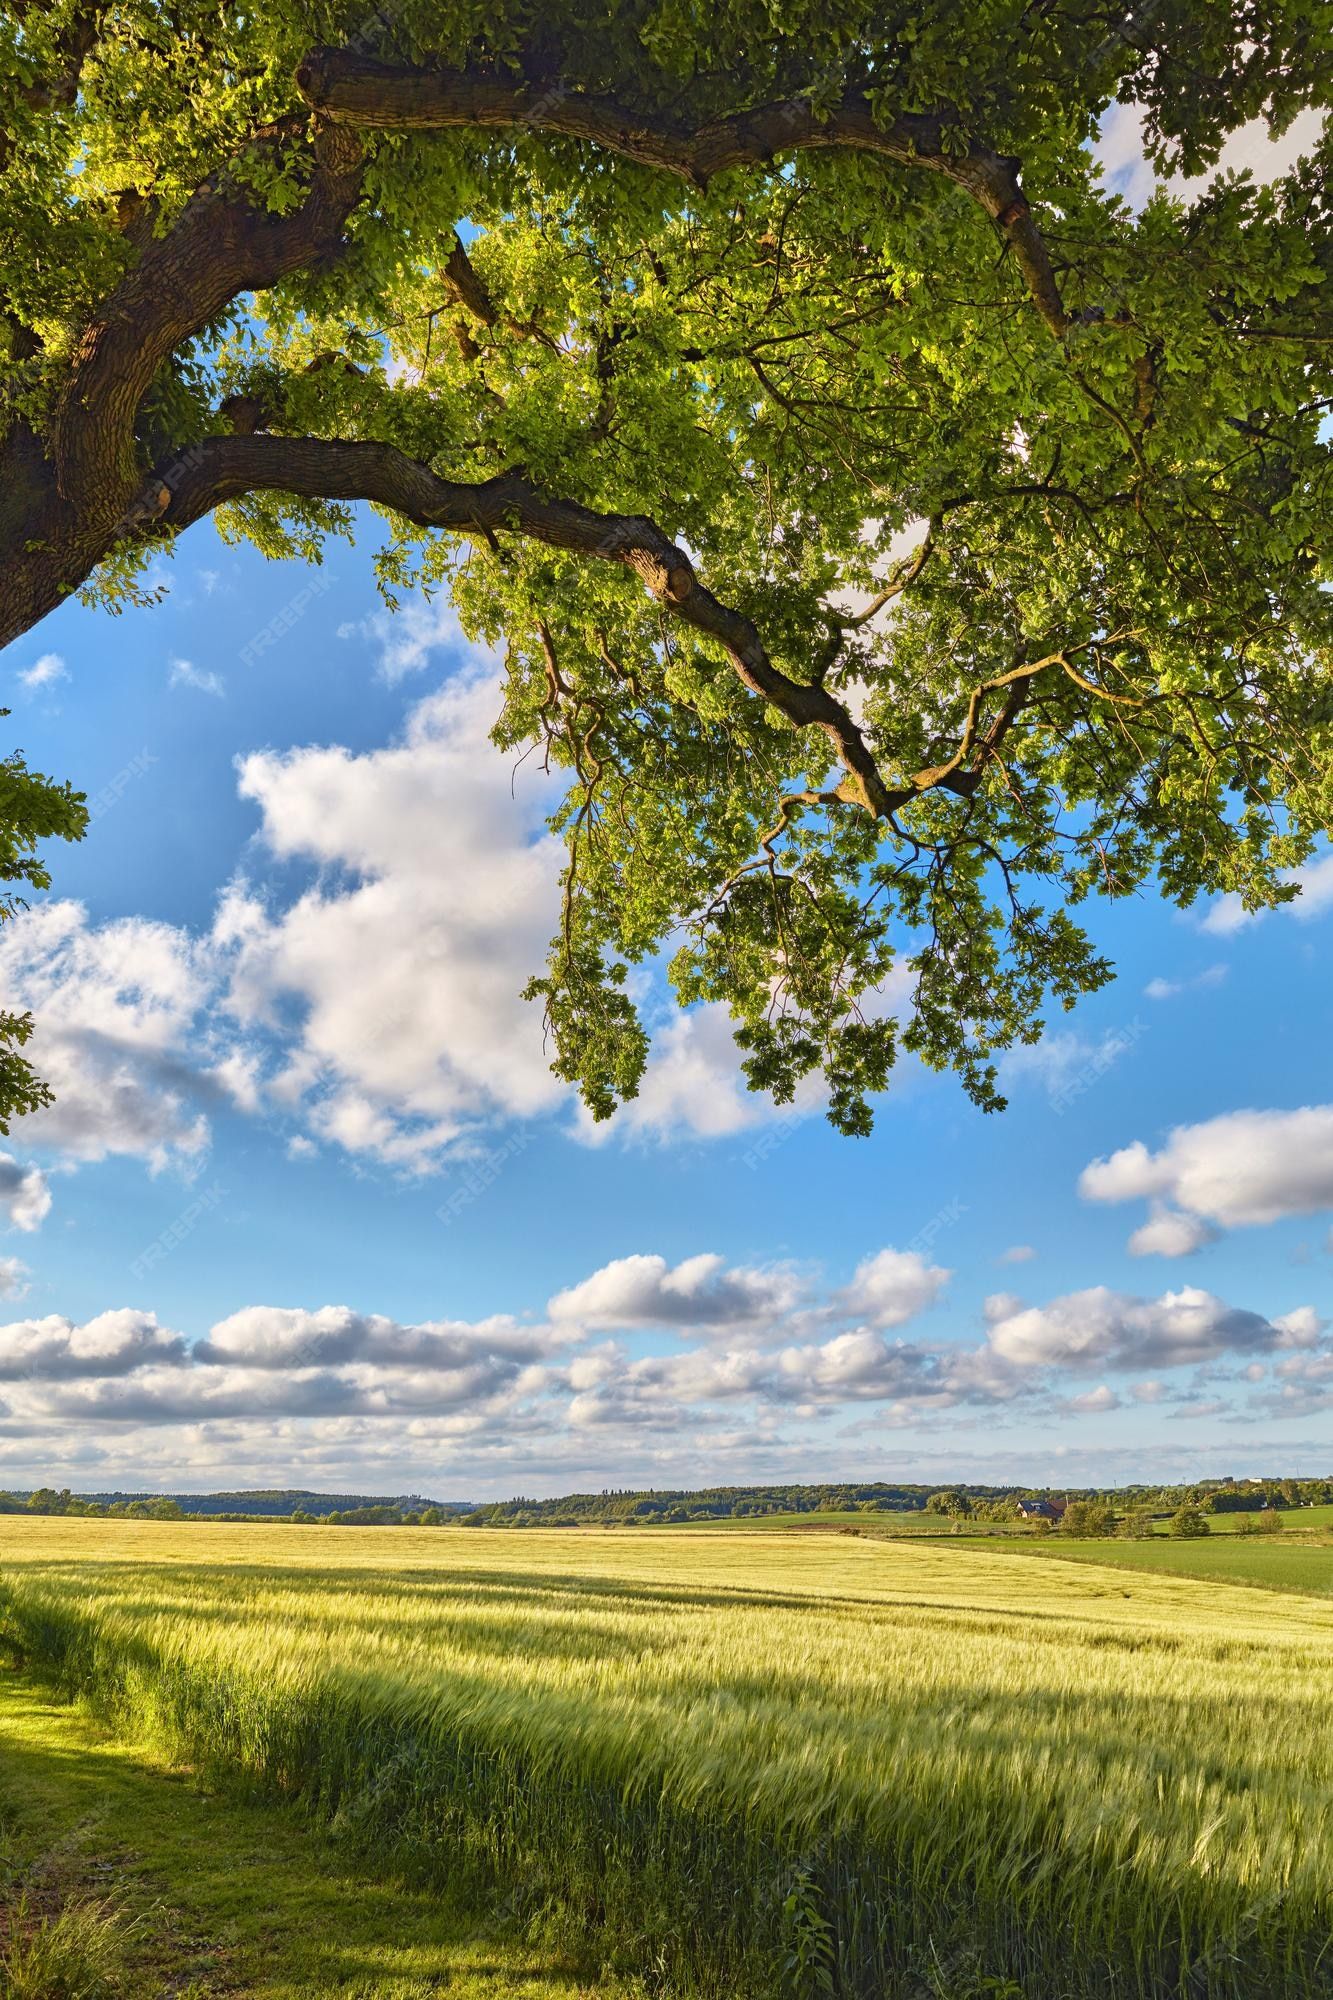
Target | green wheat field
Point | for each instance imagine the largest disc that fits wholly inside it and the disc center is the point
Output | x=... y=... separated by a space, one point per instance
x=733 y=1765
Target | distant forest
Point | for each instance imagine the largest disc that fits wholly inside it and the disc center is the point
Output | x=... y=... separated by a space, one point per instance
x=640 y=1508
x=995 y=1503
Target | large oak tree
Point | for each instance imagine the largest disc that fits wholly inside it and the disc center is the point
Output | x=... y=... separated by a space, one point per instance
x=894 y=537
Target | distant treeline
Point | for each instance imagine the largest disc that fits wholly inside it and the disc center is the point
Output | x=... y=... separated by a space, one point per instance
x=281 y=1504
x=637 y=1508
x=631 y=1508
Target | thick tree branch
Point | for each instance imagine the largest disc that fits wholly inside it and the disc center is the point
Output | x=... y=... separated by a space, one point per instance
x=221 y=245
x=224 y=468
x=355 y=90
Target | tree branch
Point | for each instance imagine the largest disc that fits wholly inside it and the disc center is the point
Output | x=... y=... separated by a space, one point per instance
x=223 y=468
x=220 y=246
x=355 y=90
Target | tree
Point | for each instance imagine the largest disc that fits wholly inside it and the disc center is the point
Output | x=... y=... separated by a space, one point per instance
x=1087 y=1518
x=1269 y=1522
x=894 y=539
x=32 y=809
x=1137 y=1525
x=1188 y=1523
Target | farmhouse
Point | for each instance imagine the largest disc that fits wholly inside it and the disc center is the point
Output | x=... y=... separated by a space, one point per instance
x=1042 y=1510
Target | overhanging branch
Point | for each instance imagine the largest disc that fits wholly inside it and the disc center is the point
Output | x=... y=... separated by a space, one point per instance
x=355 y=90
x=223 y=468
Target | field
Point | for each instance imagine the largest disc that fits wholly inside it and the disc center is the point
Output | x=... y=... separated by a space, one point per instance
x=746 y=1765
x=1278 y=1562
x=1295 y=1521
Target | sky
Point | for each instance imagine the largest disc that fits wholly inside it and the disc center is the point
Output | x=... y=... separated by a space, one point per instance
x=311 y=1209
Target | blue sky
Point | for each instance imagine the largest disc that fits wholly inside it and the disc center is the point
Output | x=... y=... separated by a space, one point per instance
x=311 y=1208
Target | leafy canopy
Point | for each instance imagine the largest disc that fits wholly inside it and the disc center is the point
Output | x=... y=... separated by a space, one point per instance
x=894 y=539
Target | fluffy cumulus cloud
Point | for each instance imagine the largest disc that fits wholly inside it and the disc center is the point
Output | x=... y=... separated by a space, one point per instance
x=1244 y=1167
x=893 y=1286
x=265 y=1364
x=377 y=1009
x=116 y=1006
x=589 y=1386
x=112 y=1344
x=1100 y=1328
x=698 y=1293
x=334 y=1336
x=406 y=959
x=1168 y=1233
x=404 y=963
x=25 y=1195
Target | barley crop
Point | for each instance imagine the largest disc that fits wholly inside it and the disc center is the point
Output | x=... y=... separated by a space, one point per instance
x=747 y=1765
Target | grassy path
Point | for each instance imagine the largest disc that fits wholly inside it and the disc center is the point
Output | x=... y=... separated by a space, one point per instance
x=215 y=1896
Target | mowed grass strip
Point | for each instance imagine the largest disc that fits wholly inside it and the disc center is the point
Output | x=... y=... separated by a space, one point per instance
x=750 y=1764
x=123 y=1878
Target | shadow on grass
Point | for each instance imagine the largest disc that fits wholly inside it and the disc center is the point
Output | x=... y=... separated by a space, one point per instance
x=232 y=1897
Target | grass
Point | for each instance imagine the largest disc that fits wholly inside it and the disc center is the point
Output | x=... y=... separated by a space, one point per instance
x=750 y=1765
x=1277 y=1562
x=122 y=1877
x=75 y=1952
x=1295 y=1521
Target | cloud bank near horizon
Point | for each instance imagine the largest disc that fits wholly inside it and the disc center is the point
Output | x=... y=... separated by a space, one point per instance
x=755 y=1357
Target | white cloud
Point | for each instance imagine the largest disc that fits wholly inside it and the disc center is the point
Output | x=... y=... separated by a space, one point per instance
x=893 y=1286
x=14 y=1276
x=1017 y=1253
x=1171 y=989
x=278 y=1337
x=115 y=1008
x=1300 y=1328
x=184 y=673
x=1226 y=915
x=1093 y=1403
x=319 y=1392
x=25 y=1196
x=112 y=1344
x=406 y=961
x=1068 y=1064
x=1119 y=149
x=1168 y=1233
x=1100 y=1328
x=692 y=1087
x=1243 y=1167
x=44 y=672
x=409 y=638
x=698 y=1293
